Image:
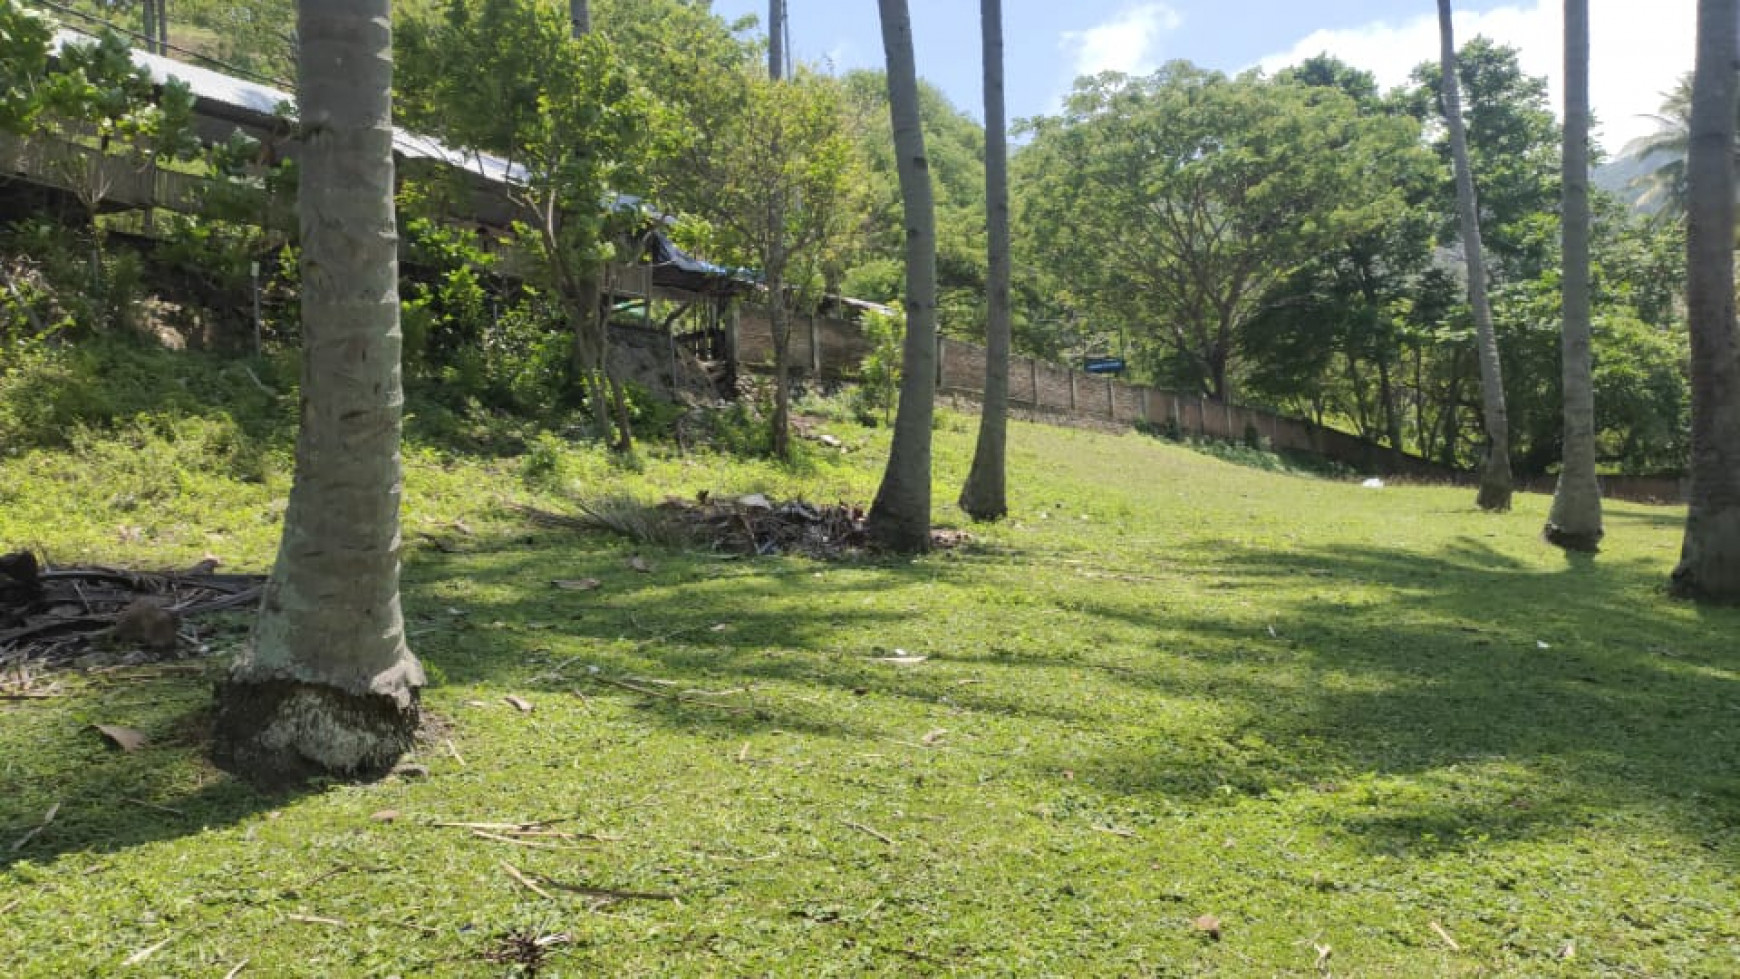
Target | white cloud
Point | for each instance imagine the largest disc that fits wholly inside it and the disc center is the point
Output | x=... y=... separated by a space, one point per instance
x=1129 y=42
x=1637 y=52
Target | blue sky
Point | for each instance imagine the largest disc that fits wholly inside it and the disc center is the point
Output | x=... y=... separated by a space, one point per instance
x=1639 y=46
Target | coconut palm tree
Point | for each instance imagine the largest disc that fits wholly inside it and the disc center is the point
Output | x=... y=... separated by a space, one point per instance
x=1575 y=521
x=328 y=683
x=1709 y=567
x=985 y=496
x=1495 y=478
x=900 y=516
x=1662 y=190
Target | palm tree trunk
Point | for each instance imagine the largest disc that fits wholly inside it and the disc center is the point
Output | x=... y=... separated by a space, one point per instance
x=779 y=326
x=900 y=516
x=1575 y=521
x=985 y=496
x=1709 y=568
x=328 y=682
x=579 y=18
x=776 y=39
x=1495 y=479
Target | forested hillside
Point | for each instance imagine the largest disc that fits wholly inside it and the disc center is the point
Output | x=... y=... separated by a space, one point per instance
x=1307 y=261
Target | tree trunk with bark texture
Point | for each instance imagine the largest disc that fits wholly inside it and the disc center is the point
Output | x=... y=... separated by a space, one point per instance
x=1709 y=568
x=900 y=516
x=985 y=496
x=776 y=39
x=1495 y=478
x=779 y=327
x=579 y=18
x=1575 y=520
x=328 y=683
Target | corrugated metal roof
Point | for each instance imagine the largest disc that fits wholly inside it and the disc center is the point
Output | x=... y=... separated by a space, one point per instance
x=266 y=103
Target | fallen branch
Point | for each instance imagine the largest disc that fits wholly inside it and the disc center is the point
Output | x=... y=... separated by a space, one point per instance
x=611 y=892
x=309 y=919
x=860 y=827
x=534 y=888
x=146 y=952
x=153 y=805
x=674 y=697
x=47 y=818
x=534 y=844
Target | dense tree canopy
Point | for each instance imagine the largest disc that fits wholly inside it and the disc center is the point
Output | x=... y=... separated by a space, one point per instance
x=1174 y=204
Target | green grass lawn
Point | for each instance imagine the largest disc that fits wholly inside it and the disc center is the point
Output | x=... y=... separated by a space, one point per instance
x=1372 y=732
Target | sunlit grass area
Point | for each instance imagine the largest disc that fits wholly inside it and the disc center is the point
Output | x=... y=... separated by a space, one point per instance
x=1175 y=717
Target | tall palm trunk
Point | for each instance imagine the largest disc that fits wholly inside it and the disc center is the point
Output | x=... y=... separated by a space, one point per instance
x=779 y=325
x=900 y=516
x=1495 y=479
x=1709 y=568
x=579 y=17
x=985 y=496
x=328 y=682
x=776 y=39
x=1575 y=521
x=778 y=313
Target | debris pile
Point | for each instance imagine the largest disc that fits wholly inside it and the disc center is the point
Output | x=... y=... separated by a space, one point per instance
x=749 y=525
x=755 y=525
x=53 y=615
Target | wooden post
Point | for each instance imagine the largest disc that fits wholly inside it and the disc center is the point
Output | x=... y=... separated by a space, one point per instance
x=1201 y=416
x=941 y=350
x=815 y=348
x=1111 y=398
x=1033 y=379
x=1072 y=391
x=731 y=352
x=1226 y=406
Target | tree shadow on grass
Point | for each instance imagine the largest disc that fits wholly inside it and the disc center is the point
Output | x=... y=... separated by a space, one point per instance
x=105 y=800
x=699 y=620
x=1525 y=701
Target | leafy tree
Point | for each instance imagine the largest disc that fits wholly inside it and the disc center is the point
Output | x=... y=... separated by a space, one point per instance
x=1709 y=567
x=985 y=496
x=1575 y=521
x=1334 y=335
x=24 y=39
x=1176 y=204
x=1495 y=477
x=507 y=77
x=328 y=682
x=956 y=145
x=900 y=515
x=1513 y=146
x=772 y=170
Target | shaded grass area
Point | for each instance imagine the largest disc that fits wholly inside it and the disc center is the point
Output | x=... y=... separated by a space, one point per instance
x=1168 y=687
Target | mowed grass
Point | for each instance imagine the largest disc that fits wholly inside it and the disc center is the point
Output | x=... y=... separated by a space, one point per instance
x=1370 y=732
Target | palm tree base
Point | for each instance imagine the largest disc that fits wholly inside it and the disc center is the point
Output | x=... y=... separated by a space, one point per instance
x=1572 y=540
x=1709 y=568
x=279 y=732
x=1493 y=498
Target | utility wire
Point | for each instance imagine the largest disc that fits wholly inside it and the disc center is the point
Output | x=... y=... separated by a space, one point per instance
x=135 y=36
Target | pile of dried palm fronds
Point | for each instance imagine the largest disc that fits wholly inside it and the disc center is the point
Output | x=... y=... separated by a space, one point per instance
x=751 y=525
x=54 y=614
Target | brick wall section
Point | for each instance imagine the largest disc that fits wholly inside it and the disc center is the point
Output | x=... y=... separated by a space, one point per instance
x=1052 y=388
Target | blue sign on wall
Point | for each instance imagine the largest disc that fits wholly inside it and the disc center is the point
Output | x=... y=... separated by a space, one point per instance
x=1104 y=365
